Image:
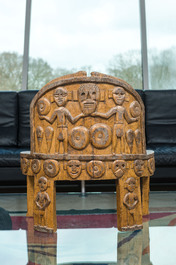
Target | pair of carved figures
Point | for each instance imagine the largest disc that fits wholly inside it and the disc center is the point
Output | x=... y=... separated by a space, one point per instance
x=100 y=134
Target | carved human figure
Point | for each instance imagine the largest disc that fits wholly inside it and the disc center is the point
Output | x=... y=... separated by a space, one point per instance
x=130 y=199
x=74 y=168
x=120 y=113
x=139 y=167
x=61 y=114
x=42 y=200
x=88 y=96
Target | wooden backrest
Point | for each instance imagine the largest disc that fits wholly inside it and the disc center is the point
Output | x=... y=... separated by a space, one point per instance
x=79 y=115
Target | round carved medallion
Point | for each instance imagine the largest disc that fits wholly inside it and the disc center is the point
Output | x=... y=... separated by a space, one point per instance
x=79 y=137
x=51 y=168
x=95 y=169
x=135 y=109
x=35 y=166
x=100 y=135
x=43 y=106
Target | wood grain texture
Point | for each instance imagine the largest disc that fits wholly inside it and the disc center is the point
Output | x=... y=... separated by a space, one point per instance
x=88 y=128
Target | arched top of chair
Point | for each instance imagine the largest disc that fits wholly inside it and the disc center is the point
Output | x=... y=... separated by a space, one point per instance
x=85 y=114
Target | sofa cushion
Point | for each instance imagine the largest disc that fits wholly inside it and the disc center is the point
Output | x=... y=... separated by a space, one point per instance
x=24 y=101
x=10 y=156
x=160 y=107
x=165 y=154
x=8 y=118
x=141 y=94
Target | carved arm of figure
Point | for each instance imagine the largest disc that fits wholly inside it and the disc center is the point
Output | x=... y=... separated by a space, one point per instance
x=47 y=201
x=106 y=115
x=126 y=201
x=71 y=118
x=50 y=120
x=128 y=118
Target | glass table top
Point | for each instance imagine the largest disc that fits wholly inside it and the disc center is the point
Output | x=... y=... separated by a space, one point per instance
x=152 y=245
x=87 y=233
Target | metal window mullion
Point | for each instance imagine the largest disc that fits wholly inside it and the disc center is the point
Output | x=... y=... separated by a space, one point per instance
x=145 y=72
x=26 y=46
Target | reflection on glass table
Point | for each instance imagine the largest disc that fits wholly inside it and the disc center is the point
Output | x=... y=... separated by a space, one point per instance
x=150 y=246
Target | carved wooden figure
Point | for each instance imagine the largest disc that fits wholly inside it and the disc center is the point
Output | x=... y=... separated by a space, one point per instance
x=87 y=128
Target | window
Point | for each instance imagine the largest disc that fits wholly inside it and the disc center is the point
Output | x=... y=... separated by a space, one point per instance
x=161 y=34
x=12 y=18
x=95 y=35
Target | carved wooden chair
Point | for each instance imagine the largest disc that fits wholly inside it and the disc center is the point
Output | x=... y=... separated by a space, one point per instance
x=87 y=128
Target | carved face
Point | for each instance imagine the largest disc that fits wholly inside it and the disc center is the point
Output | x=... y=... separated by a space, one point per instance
x=118 y=168
x=131 y=184
x=139 y=167
x=60 y=96
x=24 y=165
x=151 y=165
x=74 y=168
x=118 y=95
x=42 y=183
x=88 y=96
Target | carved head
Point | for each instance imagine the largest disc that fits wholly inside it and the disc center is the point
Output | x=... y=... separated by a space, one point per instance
x=43 y=185
x=139 y=167
x=60 y=96
x=24 y=165
x=151 y=165
x=88 y=96
x=118 y=168
x=131 y=184
x=74 y=168
x=118 y=95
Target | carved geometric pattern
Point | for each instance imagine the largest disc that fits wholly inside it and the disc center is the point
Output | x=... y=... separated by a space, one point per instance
x=51 y=168
x=35 y=166
x=79 y=137
x=138 y=136
x=49 y=131
x=135 y=109
x=39 y=133
x=43 y=106
x=100 y=135
x=95 y=169
x=130 y=138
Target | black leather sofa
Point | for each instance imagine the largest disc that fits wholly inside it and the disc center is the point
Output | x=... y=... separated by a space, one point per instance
x=160 y=107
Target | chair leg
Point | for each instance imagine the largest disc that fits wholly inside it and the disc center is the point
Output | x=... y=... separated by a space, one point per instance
x=30 y=196
x=129 y=212
x=145 y=195
x=45 y=207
